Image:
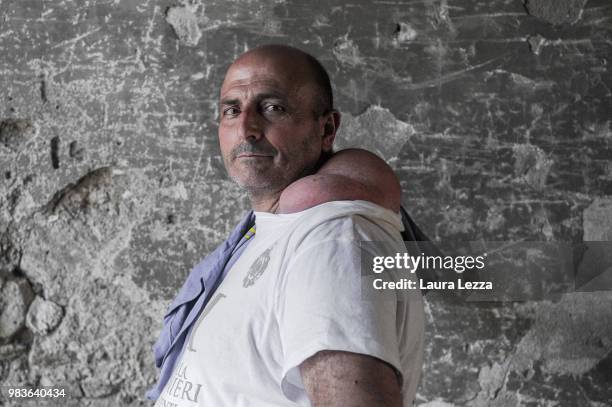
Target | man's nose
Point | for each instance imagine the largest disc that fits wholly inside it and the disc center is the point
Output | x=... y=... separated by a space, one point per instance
x=252 y=126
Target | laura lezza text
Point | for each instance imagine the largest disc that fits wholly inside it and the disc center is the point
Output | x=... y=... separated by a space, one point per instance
x=408 y=284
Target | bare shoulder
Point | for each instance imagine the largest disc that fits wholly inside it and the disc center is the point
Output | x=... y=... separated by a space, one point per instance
x=359 y=164
x=351 y=174
x=337 y=378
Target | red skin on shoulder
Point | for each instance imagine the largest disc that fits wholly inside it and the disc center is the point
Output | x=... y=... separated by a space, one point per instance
x=351 y=174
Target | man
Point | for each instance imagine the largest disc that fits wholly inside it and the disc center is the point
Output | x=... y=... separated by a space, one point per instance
x=288 y=325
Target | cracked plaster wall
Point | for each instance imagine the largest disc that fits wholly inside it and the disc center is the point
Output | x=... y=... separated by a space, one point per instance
x=496 y=116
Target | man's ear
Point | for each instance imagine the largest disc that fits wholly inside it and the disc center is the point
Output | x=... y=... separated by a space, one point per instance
x=330 y=127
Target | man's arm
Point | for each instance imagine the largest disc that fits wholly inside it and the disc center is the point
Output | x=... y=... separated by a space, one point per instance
x=334 y=378
x=351 y=174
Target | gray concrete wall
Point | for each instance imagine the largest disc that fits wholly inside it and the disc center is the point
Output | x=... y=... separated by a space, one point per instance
x=495 y=114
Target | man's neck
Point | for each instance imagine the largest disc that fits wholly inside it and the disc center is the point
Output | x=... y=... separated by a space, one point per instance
x=265 y=203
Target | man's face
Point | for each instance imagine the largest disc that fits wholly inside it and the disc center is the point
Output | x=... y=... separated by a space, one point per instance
x=268 y=133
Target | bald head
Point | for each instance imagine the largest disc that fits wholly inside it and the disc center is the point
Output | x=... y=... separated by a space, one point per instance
x=276 y=121
x=297 y=64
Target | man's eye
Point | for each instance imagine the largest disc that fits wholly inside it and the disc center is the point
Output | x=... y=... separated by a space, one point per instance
x=231 y=111
x=274 y=108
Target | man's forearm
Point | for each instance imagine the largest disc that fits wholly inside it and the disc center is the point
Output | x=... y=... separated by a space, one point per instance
x=345 y=379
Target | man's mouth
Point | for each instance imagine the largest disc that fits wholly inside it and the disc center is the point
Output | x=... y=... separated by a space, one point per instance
x=250 y=155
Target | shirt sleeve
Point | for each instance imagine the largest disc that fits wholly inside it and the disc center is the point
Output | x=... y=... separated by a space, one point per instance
x=320 y=307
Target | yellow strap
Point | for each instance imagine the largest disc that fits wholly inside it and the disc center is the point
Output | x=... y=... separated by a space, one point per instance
x=249 y=233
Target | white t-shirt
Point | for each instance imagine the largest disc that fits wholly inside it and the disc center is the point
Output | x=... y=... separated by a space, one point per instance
x=296 y=290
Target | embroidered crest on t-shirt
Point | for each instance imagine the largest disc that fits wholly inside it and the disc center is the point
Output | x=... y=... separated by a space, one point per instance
x=257 y=268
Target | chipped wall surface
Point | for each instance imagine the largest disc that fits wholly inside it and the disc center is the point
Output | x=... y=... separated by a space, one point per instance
x=495 y=115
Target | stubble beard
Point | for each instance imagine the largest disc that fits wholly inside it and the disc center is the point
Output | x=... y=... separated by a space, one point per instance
x=260 y=182
x=269 y=181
